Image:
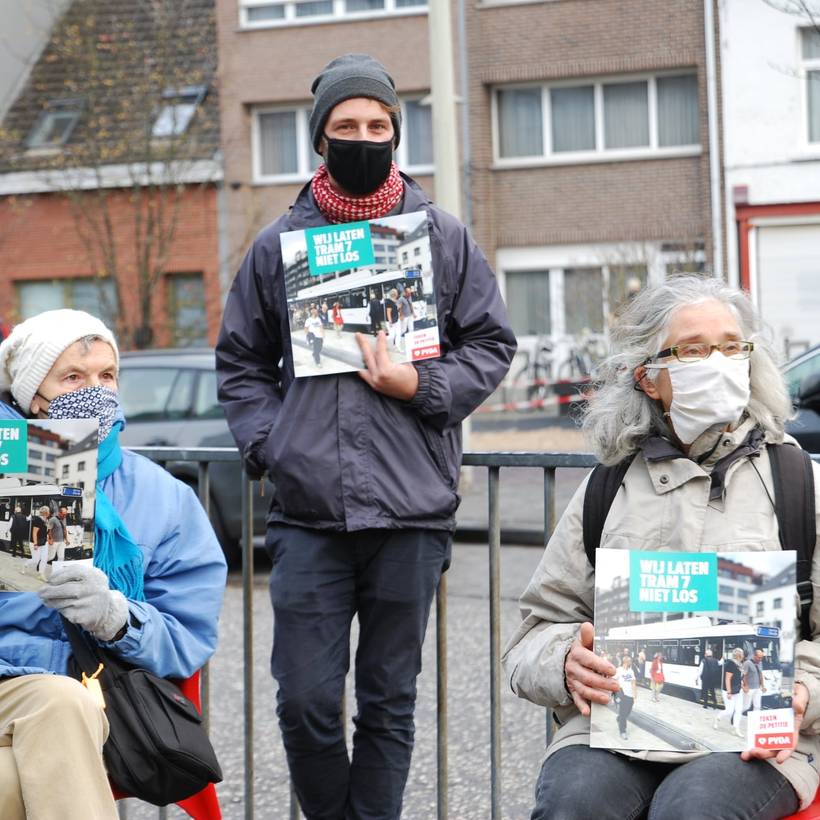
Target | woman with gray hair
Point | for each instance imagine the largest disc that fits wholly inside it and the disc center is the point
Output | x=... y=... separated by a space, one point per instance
x=689 y=402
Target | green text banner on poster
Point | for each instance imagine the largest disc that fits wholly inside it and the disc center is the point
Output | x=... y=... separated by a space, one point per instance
x=673 y=582
x=13 y=446
x=338 y=247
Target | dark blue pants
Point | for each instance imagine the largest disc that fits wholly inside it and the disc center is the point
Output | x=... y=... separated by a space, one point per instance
x=577 y=783
x=319 y=581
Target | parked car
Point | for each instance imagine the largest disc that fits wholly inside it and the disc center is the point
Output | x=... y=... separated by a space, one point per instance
x=169 y=400
x=803 y=379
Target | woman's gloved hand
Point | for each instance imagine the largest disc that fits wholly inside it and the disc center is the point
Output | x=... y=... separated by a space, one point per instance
x=80 y=592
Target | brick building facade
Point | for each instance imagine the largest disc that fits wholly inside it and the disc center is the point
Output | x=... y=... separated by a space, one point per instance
x=588 y=135
x=109 y=173
x=48 y=266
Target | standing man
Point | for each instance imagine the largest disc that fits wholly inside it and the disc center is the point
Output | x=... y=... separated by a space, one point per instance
x=709 y=675
x=315 y=332
x=19 y=531
x=56 y=534
x=391 y=312
x=732 y=696
x=753 y=685
x=376 y=312
x=627 y=680
x=406 y=312
x=348 y=534
x=39 y=547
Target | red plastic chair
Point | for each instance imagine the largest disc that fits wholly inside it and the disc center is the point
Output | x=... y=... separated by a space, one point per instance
x=810 y=813
x=203 y=805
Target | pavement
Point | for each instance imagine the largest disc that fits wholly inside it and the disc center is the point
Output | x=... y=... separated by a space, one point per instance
x=340 y=354
x=673 y=723
x=12 y=577
x=522 y=723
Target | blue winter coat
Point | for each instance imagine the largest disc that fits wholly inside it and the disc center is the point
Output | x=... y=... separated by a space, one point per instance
x=185 y=572
x=342 y=456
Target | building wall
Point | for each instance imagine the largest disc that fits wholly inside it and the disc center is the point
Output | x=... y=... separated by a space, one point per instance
x=278 y=65
x=650 y=203
x=769 y=162
x=35 y=226
x=629 y=200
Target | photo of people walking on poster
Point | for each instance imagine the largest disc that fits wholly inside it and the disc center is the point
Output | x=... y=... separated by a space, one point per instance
x=360 y=277
x=703 y=649
x=48 y=475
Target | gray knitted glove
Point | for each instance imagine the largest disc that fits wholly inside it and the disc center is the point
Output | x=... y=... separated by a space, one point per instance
x=80 y=592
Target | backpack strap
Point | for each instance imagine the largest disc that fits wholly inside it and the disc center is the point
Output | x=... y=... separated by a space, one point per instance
x=602 y=487
x=793 y=479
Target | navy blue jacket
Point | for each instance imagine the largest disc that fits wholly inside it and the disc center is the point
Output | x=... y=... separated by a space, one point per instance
x=342 y=456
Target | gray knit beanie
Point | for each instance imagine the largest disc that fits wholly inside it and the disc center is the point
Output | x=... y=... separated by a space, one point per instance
x=348 y=76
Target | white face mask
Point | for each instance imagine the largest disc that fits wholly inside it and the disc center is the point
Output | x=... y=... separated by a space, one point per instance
x=712 y=391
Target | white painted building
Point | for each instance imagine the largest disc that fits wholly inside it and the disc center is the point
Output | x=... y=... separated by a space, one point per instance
x=770 y=63
x=774 y=604
x=77 y=467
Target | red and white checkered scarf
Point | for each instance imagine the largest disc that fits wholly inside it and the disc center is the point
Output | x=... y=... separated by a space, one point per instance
x=337 y=207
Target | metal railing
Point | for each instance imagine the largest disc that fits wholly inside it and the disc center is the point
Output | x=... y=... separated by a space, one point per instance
x=493 y=462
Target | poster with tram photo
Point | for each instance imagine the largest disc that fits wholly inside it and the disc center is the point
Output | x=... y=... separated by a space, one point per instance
x=48 y=476
x=703 y=649
x=360 y=277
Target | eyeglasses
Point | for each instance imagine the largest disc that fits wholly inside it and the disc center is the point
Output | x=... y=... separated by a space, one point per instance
x=697 y=351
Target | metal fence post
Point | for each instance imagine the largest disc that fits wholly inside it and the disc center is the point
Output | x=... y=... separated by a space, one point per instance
x=442 y=784
x=247 y=635
x=549 y=526
x=494 y=532
x=204 y=485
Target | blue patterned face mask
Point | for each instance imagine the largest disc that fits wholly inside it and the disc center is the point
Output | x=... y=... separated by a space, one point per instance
x=88 y=403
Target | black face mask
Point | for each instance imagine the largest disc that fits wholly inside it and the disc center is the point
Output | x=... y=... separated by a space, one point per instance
x=359 y=166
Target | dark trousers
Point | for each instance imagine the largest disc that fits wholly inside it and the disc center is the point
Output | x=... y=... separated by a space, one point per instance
x=705 y=691
x=320 y=580
x=17 y=544
x=579 y=782
x=318 y=344
x=625 y=705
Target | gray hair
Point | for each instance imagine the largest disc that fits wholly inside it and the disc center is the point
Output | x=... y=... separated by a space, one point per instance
x=619 y=418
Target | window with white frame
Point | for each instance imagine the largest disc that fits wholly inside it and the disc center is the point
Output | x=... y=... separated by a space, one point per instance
x=178 y=108
x=612 y=118
x=810 y=53
x=263 y=13
x=55 y=124
x=282 y=152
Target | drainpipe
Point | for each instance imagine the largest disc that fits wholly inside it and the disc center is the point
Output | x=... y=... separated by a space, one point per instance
x=466 y=153
x=443 y=96
x=714 y=138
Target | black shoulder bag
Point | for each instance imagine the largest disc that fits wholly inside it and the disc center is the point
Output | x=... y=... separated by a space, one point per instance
x=157 y=749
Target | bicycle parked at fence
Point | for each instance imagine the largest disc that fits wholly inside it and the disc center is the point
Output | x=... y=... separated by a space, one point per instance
x=583 y=354
x=535 y=374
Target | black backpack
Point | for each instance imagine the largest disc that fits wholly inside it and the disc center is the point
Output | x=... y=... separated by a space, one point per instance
x=791 y=468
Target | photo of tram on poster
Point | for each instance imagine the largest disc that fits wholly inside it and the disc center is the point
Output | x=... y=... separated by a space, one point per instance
x=360 y=277
x=702 y=645
x=48 y=477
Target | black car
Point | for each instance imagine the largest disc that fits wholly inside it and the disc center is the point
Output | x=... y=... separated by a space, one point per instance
x=169 y=399
x=803 y=380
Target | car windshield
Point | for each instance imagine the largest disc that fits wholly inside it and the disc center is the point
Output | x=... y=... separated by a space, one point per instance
x=795 y=374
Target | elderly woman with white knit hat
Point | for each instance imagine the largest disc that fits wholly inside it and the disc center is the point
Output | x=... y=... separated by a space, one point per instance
x=153 y=594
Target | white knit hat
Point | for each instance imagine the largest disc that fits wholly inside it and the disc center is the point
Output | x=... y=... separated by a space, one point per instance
x=29 y=352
